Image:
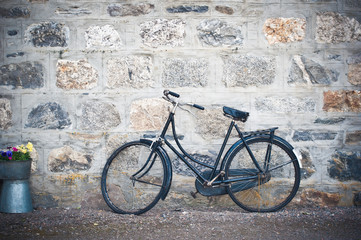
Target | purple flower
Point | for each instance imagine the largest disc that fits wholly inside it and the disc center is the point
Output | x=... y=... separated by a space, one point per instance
x=9 y=154
x=3 y=153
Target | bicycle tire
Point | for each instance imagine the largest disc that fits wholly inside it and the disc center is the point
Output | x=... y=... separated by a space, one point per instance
x=269 y=192
x=129 y=196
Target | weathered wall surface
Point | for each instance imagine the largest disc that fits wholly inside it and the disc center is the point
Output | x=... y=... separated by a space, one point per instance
x=78 y=78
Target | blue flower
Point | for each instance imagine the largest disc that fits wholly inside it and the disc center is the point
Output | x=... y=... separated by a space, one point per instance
x=9 y=153
x=3 y=153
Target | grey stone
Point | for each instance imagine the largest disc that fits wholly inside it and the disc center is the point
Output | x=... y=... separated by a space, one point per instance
x=245 y=71
x=332 y=27
x=180 y=72
x=187 y=9
x=48 y=116
x=15 y=12
x=5 y=114
x=345 y=166
x=66 y=159
x=313 y=136
x=131 y=71
x=73 y=10
x=308 y=168
x=357 y=199
x=121 y=10
x=218 y=33
x=98 y=115
x=285 y=104
x=102 y=37
x=76 y=74
x=181 y=168
x=306 y=71
x=12 y=33
x=22 y=75
x=329 y=121
x=353 y=4
x=353 y=138
x=47 y=34
x=163 y=32
x=13 y=55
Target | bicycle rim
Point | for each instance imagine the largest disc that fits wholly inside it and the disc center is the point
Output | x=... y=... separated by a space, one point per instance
x=268 y=192
x=130 y=183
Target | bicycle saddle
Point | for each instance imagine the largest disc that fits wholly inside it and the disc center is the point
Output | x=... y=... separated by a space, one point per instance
x=235 y=114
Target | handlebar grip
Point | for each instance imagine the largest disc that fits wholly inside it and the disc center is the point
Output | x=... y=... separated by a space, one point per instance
x=166 y=92
x=198 y=106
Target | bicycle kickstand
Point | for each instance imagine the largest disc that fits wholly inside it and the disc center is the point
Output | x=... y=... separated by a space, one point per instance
x=194 y=194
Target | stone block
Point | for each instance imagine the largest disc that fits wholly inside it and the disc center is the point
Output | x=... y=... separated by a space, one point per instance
x=47 y=34
x=48 y=116
x=148 y=114
x=285 y=104
x=329 y=121
x=131 y=71
x=342 y=101
x=72 y=11
x=246 y=70
x=299 y=136
x=284 y=30
x=187 y=9
x=353 y=138
x=308 y=168
x=163 y=32
x=345 y=166
x=180 y=168
x=22 y=75
x=354 y=74
x=97 y=115
x=75 y=74
x=66 y=159
x=211 y=123
x=332 y=27
x=217 y=33
x=307 y=71
x=224 y=9
x=191 y=72
x=102 y=37
x=5 y=114
x=15 y=12
x=312 y=197
x=122 y=10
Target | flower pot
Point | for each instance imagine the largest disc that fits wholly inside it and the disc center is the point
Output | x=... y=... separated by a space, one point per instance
x=15 y=193
x=16 y=170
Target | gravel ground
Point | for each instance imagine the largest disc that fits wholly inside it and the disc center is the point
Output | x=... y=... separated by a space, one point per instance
x=187 y=223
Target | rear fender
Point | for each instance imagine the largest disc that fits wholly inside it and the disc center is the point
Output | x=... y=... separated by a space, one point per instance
x=168 y=165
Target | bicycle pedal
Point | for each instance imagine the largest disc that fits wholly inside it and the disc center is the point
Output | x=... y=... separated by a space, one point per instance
x=194 y=194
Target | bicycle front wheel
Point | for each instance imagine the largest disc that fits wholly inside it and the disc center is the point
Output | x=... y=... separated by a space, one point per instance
x=133 y=178
x=265 y=192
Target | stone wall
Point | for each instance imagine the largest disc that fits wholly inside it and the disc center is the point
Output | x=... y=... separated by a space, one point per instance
x=79 y=78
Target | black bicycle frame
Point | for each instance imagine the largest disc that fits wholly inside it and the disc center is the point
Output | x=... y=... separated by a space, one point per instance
x=162 y=139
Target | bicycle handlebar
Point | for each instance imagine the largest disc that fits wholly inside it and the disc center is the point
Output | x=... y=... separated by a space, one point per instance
x=167 y=92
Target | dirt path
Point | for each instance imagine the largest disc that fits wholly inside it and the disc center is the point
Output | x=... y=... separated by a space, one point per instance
x=303 y=224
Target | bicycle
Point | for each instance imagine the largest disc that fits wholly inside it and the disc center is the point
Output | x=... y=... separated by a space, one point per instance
x=260 y=171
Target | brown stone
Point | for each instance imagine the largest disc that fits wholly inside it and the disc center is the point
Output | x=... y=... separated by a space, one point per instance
x=76 y=75
x=321 y=199
x=148 y=114
x=225 y=10
x=342 y=101
x=354 y=74
x=353 y=138
x=66 y=159
x=284 y=30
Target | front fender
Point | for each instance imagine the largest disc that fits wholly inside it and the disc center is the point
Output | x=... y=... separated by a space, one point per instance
x=168 y=168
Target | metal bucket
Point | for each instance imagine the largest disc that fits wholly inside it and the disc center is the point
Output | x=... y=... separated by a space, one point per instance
x=15 y=197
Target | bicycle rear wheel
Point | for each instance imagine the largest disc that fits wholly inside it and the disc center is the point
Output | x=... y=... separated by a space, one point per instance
x=263 y=192
x=133 y=178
